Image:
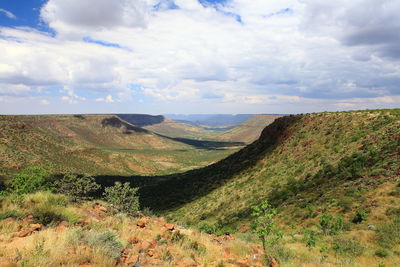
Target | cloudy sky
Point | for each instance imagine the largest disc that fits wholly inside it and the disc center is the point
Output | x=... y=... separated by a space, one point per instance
x=198 y=56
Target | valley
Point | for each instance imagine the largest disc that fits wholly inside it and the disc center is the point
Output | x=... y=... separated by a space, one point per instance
x=331 y=180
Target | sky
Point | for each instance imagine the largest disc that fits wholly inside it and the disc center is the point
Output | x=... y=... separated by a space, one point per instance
x=198 y=56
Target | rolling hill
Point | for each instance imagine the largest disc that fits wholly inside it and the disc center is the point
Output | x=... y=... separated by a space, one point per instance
x=245 y=132
x=94 y=144
x=342 y=167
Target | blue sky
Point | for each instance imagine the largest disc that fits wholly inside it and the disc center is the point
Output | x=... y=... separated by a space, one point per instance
x=198 y=56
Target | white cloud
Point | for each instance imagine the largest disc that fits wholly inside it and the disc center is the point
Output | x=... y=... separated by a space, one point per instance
x=107 y=99
x=76 y=18
x=71 y=97
x=284 y=51
x=9 y=14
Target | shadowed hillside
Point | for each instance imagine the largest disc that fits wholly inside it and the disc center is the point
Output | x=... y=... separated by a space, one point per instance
x=246 y=132
x=299 y=159
x=142 y=119
x=94 y=144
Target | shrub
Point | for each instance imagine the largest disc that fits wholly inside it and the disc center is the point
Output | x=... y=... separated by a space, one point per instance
x=330 y=225
x=207 y=227
x=264 y=224
x=360 y=216
x=107 y=242
x=45 y=215
x=381 y=253
x=77 y=187
x=29 y=181
x=282 y=254
x=310 y=238
x=122 y=197
x=51 y=215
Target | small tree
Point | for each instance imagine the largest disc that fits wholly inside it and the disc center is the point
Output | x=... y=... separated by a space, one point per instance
x=264 y=225
x=123 y=197
x=29 y=181
x=77 y=187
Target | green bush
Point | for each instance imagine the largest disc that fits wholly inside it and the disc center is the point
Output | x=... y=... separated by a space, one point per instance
x=122 y=197
x=381 y=253
x=264 y=226
x=106 y=242
x=29 y=181
x=46 y=215
x=330 y=225
x=207 y=227
x=360 y=216
x=310 y=238
x=77 y=187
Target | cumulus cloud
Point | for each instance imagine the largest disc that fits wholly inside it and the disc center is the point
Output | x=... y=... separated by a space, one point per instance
x=74 y=18
x=369 y=23
x=71 y=97
x=282 y=51
x=107 y=99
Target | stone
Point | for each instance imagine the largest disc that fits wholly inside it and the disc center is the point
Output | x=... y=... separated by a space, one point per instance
x=35 y=226
x=61 y=228
x=141 y=224
x=150 y=252
x=133 y=239
x=102 y=208
x=273 y=263
x=169 y=226
x=132 y=259
x=24 y=233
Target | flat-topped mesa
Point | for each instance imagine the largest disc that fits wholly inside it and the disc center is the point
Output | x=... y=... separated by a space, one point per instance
x=142 y=119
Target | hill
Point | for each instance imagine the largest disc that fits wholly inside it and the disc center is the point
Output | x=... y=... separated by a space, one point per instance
x=94 y=144
x=246 y=132
x=214 y=120
x=345 y=165
x=249 y=130
x=50 y=230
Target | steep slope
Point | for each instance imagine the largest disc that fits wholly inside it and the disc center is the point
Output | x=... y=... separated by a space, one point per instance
x=248 y=131
x=214 y=120
x=334 y=179
x=313 y=159
x=92 y=234
x=93 y=144
x=245 y=132
x=179 y=129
